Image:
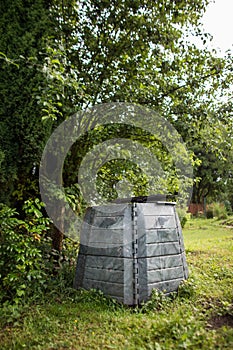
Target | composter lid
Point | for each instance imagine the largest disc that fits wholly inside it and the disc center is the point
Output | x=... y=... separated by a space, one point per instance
x=158 y=198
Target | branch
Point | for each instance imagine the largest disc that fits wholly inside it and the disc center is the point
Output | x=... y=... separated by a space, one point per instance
x=188 y=84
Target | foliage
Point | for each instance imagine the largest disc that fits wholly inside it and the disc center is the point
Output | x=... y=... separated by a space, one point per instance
x=159 y=300
x=144 y=62
x=212 y=144
x=219 y=210
x=64 y=56
x=27 y=261
x=183 y=216
x=187 y=288
x=22 y=265
x=209 y=213
x=22 y=29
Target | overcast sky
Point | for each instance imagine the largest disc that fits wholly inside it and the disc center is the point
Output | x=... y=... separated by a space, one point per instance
x=218 y=21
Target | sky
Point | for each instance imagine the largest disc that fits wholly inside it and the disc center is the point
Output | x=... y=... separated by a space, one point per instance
x=218 y=21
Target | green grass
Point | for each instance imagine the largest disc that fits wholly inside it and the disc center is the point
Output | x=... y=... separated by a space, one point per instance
x=198 y=318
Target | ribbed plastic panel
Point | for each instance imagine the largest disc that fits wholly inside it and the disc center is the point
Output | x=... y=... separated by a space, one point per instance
x=128 y=249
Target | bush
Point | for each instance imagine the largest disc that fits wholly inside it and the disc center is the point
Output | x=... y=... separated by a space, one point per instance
x=219 y=210
x=27 y=261
x=209 y=213
x=183 y=216
x=22 y=267
x=228 y=207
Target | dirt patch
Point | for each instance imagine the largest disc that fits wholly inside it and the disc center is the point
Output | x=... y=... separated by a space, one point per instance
x=219 y=321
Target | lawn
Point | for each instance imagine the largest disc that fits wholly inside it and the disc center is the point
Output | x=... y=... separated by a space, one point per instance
x=199 y=317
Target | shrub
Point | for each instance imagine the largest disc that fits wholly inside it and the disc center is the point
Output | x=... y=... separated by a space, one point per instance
x=228 y=207
x=27 y=267
x=183 y=216
x=219 y=210
x=22 y=267
x=209 y=213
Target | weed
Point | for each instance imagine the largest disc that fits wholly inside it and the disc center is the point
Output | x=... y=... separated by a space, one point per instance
x=158 y=300
x=187 y=288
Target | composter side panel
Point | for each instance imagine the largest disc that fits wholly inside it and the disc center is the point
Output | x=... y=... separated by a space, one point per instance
x=161 y=259
x=182 y=249
x=105 y=260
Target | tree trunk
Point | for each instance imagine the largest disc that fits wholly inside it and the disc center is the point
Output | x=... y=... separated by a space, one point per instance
x=57 y=239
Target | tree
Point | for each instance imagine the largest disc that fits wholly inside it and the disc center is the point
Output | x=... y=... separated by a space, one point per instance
x=212 y=144
x=74 y=54
x=23 y=28
x=139 y=53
